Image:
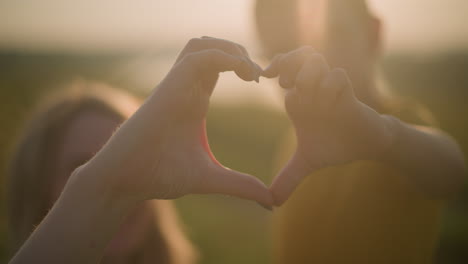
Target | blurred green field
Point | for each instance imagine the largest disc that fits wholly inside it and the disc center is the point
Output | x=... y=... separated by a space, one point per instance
x=245 y=137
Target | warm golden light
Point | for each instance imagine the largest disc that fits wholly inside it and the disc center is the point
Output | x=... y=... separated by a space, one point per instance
x=126 y=24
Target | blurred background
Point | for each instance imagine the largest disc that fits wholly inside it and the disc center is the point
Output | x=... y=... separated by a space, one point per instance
x=132 y=44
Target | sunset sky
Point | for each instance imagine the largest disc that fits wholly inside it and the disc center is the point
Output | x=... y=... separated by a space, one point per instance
x=129 y=24
x=152 y=25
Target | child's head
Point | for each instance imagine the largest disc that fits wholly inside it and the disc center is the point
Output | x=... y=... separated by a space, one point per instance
x=64 y=133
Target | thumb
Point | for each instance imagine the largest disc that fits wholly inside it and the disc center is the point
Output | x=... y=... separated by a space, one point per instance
x=289 y=178
x=222 y=180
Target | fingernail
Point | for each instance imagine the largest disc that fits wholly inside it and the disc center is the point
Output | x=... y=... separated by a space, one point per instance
x=253 y=70
x=267 y=207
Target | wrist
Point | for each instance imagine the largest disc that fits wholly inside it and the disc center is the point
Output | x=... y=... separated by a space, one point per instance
x=93 y=188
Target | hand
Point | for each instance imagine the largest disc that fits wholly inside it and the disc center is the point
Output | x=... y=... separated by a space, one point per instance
x=162 y=151
x=332 y=126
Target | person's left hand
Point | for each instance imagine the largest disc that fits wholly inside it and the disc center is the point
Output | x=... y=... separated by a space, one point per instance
x=162 y=151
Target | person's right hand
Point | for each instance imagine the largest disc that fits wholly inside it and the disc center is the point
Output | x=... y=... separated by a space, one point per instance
x=162 y=151
x=332 y=126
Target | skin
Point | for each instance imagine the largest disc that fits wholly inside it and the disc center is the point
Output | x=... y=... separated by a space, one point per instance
x=334 y=108
x=75 y=149
x=333 y=127
x=160 y=152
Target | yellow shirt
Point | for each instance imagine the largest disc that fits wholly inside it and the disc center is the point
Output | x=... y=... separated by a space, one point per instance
x=364 y=212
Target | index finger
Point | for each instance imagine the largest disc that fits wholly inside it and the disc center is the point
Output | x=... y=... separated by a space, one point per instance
x=229 y=47
x=213 y=61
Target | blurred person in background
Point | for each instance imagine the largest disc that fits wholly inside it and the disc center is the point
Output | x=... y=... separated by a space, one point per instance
x=65 y=132
x=361 y=203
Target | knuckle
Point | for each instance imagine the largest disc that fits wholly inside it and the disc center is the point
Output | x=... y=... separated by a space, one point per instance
x=201 y=55
x=190 y=57
x=193 y=42
x=235 y=50
x=214 y=53
x=195 y=57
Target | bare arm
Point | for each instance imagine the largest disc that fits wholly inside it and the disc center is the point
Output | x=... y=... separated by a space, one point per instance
x=78 y=227
x=432 y=158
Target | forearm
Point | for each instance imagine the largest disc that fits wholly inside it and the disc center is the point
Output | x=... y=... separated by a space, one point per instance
x=78 y=227
x=432 y=159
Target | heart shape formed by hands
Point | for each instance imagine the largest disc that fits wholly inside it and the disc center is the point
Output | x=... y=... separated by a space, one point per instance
x=320 y=102
x=332 y=126
x=168 y=132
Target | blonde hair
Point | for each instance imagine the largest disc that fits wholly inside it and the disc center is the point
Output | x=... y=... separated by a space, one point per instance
x=29 y=178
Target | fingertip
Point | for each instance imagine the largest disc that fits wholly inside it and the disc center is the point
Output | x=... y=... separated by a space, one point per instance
x=248 y=70
x=270 y=71
x=244 y=70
